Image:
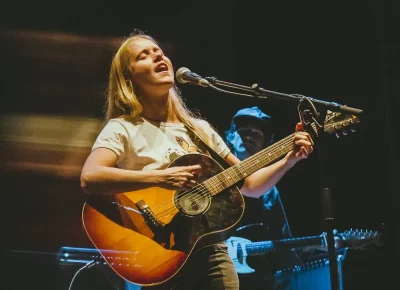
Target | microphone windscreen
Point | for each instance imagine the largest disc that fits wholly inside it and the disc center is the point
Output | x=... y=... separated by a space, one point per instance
x=180 y=75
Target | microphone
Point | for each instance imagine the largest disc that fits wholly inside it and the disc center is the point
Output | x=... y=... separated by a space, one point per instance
x=184 y=76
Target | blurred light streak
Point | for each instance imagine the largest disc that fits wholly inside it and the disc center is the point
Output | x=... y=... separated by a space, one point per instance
x=53 y=145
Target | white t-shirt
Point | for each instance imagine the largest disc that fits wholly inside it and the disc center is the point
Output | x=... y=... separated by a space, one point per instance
x=142 y=144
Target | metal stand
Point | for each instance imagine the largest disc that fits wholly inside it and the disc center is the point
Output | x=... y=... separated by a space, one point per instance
x=327 y=211
x=328 y=221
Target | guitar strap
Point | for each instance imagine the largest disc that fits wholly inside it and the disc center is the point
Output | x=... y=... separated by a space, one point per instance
x=199 y=142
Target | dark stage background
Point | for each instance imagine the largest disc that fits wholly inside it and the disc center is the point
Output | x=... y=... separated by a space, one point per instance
x=55 y=61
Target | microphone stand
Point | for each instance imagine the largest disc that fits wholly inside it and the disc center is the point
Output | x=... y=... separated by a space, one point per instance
x=258 y=92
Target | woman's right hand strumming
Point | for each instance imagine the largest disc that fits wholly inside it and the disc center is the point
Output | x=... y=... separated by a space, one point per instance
x=178 y=177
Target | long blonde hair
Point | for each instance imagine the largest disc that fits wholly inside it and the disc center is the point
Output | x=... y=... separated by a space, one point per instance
x=122 y=100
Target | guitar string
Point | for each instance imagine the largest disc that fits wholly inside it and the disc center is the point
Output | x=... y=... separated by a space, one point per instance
x=193 y=196
x=259 y=154
x=257 y=246
x=263 y=246
x=199 y=189
x=346 y=236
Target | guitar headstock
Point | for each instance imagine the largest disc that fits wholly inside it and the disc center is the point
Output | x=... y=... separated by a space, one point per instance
x=338 y=123
x=335 y=123
x=359 y=238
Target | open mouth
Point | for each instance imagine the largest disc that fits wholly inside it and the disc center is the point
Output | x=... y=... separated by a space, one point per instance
x=161 y=68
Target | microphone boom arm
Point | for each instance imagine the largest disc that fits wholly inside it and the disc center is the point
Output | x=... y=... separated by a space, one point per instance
x=259 y=92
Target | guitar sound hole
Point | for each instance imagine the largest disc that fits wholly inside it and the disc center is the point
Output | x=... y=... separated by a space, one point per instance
x=190 y=203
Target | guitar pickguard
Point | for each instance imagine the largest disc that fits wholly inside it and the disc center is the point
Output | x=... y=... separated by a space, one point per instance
x=212 y=217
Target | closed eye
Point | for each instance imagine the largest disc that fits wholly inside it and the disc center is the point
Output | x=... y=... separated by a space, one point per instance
x=142 y=55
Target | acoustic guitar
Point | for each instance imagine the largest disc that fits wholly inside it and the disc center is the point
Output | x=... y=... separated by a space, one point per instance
x=146 y=236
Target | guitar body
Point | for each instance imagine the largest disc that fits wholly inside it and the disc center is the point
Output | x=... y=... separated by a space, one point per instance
x=237 y=252
x=146 y=236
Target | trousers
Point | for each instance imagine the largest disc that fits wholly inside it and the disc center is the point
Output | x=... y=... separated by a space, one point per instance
x=210 y=268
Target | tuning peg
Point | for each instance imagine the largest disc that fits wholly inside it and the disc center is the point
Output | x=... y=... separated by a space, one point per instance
x=353 y=129
x=345 y=132
x=337 y=135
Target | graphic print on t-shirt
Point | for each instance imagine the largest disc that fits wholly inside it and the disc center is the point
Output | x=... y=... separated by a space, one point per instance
x=186 y=146
x=173 y=153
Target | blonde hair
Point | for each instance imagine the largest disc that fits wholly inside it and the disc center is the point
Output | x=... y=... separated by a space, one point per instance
x=124 y=103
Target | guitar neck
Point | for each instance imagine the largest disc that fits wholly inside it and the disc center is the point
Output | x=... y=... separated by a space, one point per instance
x=236 y=173
x=259 y=248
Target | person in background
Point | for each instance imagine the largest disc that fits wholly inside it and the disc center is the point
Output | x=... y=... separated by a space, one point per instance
x=264 y=219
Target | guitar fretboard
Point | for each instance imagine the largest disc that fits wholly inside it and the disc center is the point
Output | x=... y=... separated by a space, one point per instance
x=259 y=248
x=234 y=174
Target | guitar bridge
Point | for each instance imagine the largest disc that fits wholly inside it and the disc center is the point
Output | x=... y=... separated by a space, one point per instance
x=148 y=215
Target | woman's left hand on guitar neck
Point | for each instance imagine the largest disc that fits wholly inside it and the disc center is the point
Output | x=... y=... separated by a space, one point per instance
x=304 y=146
